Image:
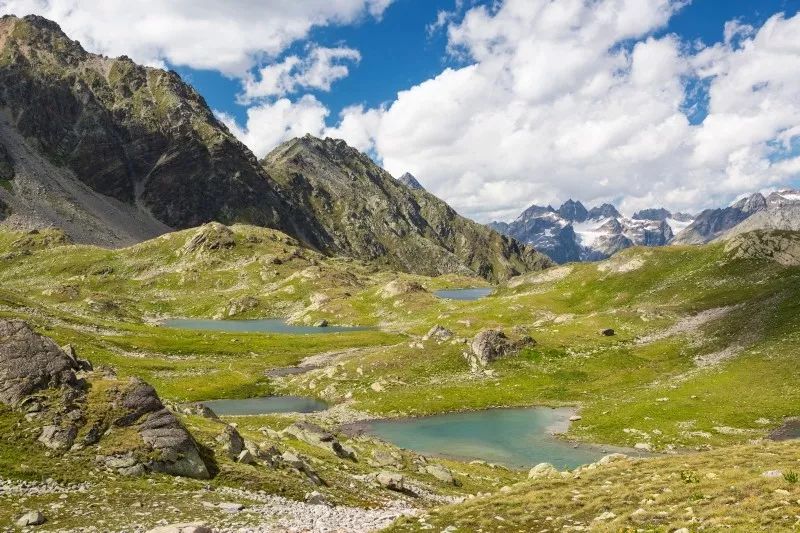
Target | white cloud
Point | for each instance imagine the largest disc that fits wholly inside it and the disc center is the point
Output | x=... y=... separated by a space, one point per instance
x=230 y=36
x=272 y=123
x=321 y=67
x=553 y=107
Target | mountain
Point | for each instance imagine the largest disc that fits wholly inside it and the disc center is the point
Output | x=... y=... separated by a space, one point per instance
x=573 y=233
x=782 y=212
x=115 y=153
x=410 y=181
x=364 y=212
x=713 y=223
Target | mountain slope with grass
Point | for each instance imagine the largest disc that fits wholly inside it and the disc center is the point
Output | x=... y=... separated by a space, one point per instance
x=367 y=213
x=692 y=325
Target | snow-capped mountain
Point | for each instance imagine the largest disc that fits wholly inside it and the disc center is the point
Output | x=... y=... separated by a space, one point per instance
x=573 y=233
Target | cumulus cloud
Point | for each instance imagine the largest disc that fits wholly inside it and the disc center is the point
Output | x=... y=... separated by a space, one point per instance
x=318 y=70
x=587 y=100
x=231 y=36
x=272 y=123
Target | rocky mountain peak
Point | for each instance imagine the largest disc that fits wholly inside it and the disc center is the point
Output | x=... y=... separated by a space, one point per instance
x=573 y=211
x=656 y=214
x=604 y=211
x=535 y=211
x=752 y=204
x=411 y=182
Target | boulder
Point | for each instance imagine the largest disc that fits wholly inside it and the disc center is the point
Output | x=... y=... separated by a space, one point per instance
x=232 y=442
x=200 y=409
x=543 y=471
x=492 y=344
x=383 y=459
x=246 y=458
x=391 y=481
x=441 y=473
x=81 y=364
x=58 y=438
x=321 y=324
x=317 y=436
x=316 y=498
x=438 y=333
x=32 y=518
x=31 y=363
x=174 y=450
x=399 y=287
x=608 y=332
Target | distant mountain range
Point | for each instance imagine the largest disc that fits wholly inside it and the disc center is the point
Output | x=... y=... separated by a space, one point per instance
x=574 y=233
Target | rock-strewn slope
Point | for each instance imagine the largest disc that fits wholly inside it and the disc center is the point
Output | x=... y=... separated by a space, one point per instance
x=42 y=379
x=366 y=213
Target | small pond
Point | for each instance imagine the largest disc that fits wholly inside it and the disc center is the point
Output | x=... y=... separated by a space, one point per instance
x=514 y=437
x=464 y=294
x=266 y=405
x=272 y=325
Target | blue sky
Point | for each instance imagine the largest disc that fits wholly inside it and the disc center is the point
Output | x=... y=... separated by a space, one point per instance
x=399 y=52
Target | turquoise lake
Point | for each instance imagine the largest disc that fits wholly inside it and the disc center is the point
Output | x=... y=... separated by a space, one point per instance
x=464 y=294
x=271 y=325
x=514 y=437
x=269 y=404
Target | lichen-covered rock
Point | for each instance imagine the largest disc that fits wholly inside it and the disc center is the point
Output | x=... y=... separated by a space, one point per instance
x=209 y=238
x=399 y=287
x=232 y=442
x=492 y=344
x=30 y=363
x=317 y=436
x=438 y=333
x=175 y=450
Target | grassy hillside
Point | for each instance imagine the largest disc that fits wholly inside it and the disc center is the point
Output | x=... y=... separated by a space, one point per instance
x=704 y=357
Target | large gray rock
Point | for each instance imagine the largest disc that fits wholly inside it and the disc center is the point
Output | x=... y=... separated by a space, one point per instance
x=492 y=344
x=32 y=518
x=317 y=436
x=30 y=363
x=176 y=452
x=232 y=442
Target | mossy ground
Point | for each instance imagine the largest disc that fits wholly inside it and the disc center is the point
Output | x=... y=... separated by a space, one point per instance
x=630 y=389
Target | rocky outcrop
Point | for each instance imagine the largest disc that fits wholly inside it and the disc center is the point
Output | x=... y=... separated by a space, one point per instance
x=492 y=344
x=399 y=287
x=317 y=436
x=30 y=363
x=210 y=238
x=173 y=449
x=782 y=247
x=364 y=212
